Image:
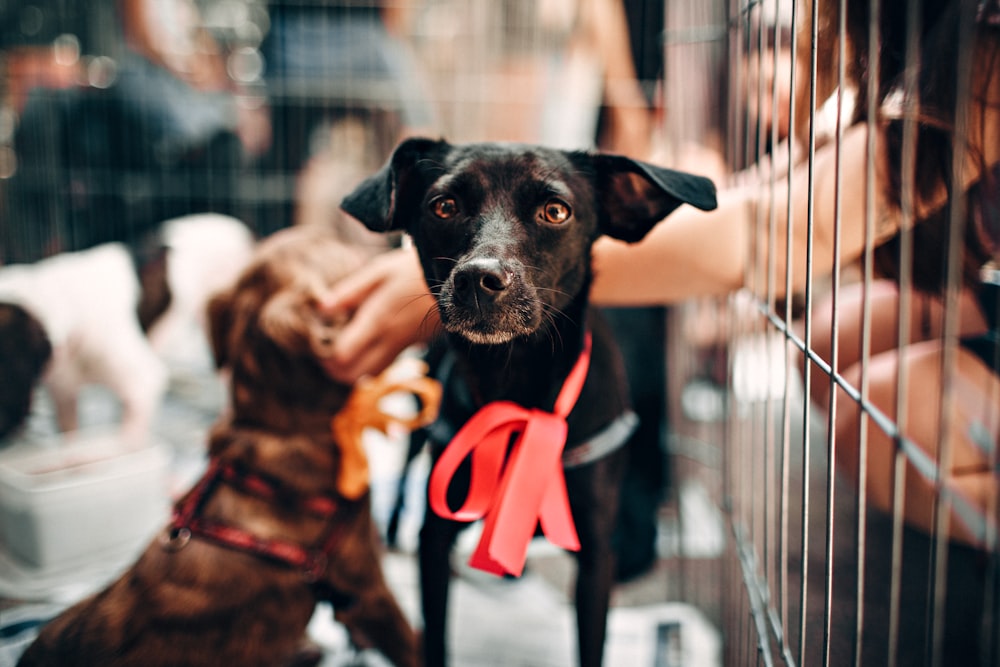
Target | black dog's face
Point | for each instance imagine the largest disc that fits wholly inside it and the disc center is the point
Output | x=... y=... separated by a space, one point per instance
x=504 y=231
x=504 y=238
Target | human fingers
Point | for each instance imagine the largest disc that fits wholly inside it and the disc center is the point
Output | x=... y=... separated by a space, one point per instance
x=351 y=290
x=373 y=338
x=389 y=309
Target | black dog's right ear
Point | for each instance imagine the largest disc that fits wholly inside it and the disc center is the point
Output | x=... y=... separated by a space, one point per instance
x=378 y=200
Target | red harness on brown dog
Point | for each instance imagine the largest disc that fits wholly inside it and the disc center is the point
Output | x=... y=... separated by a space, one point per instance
x=362 y=410
x=187 y=522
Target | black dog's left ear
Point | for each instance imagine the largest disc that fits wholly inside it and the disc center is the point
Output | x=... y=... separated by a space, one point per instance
x=378 y=200
x=635 y=195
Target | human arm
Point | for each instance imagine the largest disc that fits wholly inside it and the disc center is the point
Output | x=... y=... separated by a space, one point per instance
x=629 y=119
x=399 y=17
x=170 y=35
x=694 y=253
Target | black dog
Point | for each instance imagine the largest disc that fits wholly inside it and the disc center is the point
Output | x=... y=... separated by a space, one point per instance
x=504 y=234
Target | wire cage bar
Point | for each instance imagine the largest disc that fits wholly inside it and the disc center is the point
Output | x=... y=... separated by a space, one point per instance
x=830 y=562
x=839 y=412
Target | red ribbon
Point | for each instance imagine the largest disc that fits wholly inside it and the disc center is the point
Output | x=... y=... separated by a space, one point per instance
x=531 y=488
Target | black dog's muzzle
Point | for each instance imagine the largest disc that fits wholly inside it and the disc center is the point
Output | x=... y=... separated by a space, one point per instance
x=487 y=300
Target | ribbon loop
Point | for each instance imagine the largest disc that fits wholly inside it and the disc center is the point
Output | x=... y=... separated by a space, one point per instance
x=515 y=497
x=495 y=424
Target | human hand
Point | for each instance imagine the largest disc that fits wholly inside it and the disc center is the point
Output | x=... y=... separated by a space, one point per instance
x=389 y=308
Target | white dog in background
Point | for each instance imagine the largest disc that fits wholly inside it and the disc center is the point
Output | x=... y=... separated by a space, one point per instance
x=105 y=315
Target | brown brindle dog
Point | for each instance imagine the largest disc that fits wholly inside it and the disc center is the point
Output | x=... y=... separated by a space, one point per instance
x=279 y=522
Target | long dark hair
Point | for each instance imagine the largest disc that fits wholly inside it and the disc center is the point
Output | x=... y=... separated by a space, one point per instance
x=947 y=27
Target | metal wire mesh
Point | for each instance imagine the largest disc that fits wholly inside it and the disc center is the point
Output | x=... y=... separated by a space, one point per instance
x=823 y=476
x=821 y=564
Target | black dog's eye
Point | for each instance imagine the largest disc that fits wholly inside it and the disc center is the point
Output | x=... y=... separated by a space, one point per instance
x=444 y=207
x=555 y=211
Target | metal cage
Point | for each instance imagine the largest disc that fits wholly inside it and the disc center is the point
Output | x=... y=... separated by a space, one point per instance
x=856 y=532
x=769 y=431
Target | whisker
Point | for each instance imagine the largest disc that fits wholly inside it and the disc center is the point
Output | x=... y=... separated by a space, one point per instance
x=427 y=318
x=413 y=298
x=416 y=297
x=552 y=312
x=553 y=290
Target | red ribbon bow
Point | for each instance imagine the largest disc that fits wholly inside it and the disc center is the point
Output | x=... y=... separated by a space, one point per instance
x=531 y=488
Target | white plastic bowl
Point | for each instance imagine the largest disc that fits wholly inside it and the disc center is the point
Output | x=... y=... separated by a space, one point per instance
x=69 y=501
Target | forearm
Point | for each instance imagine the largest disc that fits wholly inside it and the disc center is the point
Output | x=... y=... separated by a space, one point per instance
x=694 y=253
x=817 y=210
x=186 y=50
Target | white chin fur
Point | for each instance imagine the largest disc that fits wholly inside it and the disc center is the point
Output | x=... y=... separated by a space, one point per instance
x=479 y=338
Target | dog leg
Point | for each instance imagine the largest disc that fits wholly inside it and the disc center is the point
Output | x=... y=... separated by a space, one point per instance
x=62 y=382
x=64 y=400
x=375 y=620
x=437 y=537
x=595 y=577
x=594 y=499
x=139 y=378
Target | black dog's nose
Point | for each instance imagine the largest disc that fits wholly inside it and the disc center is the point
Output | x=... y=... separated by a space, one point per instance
x=481 y=279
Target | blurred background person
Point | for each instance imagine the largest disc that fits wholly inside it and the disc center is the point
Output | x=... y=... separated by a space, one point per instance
x=119 y=115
